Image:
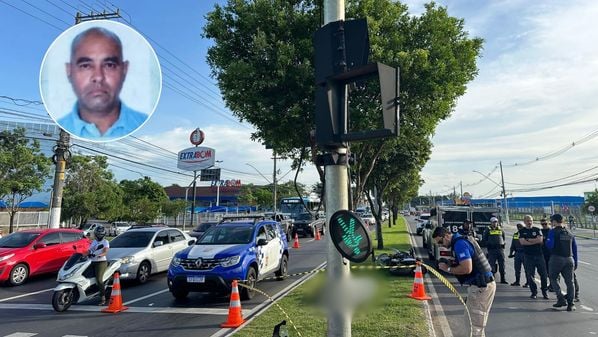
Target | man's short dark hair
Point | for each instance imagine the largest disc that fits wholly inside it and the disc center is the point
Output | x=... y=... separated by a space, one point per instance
x=95 y=30
x=556 y=217
x=439 y=232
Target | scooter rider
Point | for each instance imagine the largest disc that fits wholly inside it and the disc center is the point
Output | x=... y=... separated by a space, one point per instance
x=97 y=255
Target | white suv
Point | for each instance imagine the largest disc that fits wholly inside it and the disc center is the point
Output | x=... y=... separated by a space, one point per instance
x=117 y=228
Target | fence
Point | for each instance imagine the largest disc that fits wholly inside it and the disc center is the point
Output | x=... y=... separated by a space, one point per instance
x=25 y=220
x=582 y=219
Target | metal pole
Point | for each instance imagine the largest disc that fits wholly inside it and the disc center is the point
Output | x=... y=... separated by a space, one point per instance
x=504 y=194
x=186 y=204
x=274 y=181
x=193 y=202
x=337 y=198
x=217 y=194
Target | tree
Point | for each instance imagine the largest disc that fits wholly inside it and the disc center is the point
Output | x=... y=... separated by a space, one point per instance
x=592 y=200
x=90 y=191
x=143 y=198
x=23 y=170
x=246 y=196
x=172 y=208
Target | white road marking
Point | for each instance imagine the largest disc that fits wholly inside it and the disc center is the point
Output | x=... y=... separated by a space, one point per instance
x=153 y=310
x=73 y=336
x=582 y=262
x=146 y=296
x=24 y=295
x=586 y=308
x=21 y=334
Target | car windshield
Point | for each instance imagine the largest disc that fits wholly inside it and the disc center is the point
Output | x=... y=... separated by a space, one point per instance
x=203 y=227
x=304 y=216
x=227 y=235
x=17 y=240
x=132 y=239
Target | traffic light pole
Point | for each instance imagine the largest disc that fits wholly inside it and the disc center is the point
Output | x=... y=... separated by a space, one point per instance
x=337 y=198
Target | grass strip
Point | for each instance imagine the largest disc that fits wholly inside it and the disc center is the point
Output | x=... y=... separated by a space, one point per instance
x=390 y=313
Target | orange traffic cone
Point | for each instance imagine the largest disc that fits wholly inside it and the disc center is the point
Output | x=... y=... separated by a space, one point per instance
x=296 y=243
x=317 y=234
x=419 y=292
x=235 y=314
x=116 y=300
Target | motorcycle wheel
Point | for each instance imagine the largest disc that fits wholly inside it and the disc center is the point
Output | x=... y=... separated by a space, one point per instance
x=63 y=299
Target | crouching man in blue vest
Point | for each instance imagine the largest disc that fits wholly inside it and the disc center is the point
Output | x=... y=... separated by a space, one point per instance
x=472 y=269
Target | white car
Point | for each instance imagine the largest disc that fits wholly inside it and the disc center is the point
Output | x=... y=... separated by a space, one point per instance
x=118 y=227
x=369 y=219
x=146 y=251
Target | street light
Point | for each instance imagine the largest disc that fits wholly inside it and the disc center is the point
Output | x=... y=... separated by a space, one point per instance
x=218 y=187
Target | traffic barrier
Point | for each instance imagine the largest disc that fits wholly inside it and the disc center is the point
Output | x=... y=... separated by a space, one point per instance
x=318 y=238
x=116 y=300
x=235 y=314
x=419 y=291
x=296 y=243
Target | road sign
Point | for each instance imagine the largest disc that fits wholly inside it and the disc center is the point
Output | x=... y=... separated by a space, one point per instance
x=350 y=236
x=591 y=208
x=197 y=137
x=210 y=175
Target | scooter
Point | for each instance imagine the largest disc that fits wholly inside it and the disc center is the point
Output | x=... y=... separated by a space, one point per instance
x=77 y=282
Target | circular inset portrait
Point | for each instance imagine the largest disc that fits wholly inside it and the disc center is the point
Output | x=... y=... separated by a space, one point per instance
x=100 y=80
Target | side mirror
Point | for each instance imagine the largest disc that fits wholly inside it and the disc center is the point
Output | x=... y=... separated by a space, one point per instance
x=39 y=245
x=191 y=242
x=158 y=243
x=262 y=242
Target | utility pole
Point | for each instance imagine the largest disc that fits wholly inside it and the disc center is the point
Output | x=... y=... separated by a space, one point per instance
x=274 y=180
x=461 y=183
x=61 y=150
x=337 y=198
x=504 y=194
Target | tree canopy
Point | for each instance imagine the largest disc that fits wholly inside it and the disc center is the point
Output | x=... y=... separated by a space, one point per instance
x=23 y=169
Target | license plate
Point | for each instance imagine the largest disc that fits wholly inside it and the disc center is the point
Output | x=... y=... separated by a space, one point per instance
x=196 y=279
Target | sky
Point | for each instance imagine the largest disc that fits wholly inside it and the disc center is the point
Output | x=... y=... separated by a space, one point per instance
x=534 y=96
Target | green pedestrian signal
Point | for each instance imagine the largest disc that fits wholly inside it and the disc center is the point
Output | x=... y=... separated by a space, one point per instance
x=350 y=236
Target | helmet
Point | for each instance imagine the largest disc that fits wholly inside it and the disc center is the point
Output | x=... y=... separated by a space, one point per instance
x=99 y=232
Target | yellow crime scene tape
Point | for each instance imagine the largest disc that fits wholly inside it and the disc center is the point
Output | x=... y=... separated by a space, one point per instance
x=431 y=269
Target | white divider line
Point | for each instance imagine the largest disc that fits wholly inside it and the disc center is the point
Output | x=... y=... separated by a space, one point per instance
x=437 y=308
x=24 y=295
x=21 y=334
x=146 y=296
x=150 y=310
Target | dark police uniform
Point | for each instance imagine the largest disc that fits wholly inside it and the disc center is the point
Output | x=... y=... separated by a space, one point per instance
x=534 y=259
x=494 y=240
x=563 y=260
x=516 y=251
x=546 y=252
x=482 y=288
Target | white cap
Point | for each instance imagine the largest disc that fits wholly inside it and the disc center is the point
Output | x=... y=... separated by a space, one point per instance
x=493 y=219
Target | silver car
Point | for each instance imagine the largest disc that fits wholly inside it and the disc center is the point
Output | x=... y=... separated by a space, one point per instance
x=146 y=251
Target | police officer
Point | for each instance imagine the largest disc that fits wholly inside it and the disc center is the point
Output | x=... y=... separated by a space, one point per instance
x=545 y=251
x=466 y=229
x=472 y=269
x=516 y=251
x=530 y=238
x=563 y=260
x=494 y=239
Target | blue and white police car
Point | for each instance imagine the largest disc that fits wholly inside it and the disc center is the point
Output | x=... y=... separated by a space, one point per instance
x=235 y=249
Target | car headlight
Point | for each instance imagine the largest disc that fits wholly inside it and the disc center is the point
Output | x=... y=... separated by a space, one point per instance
x=128 y=259
x=176 y=261
x=230 y=261
x=6 y=257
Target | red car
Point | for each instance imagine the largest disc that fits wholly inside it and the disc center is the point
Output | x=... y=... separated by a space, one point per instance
x=33 y=252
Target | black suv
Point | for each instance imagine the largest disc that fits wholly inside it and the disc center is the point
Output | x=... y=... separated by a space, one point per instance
x=307 y=223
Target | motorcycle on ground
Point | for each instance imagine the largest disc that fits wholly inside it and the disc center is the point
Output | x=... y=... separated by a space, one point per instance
x=77 y=281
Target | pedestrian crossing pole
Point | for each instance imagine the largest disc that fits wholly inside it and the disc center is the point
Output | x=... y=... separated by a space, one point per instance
x=61 y=150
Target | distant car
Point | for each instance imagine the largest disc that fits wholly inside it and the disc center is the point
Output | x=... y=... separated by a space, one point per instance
x=285 y=221
x=118 y=227
x=198 y=231
x=147 y=250
x=234 y=250
x=32 y=252
x=88 y=229
x=368 y=218
x=420 y=225
x=306 y=224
